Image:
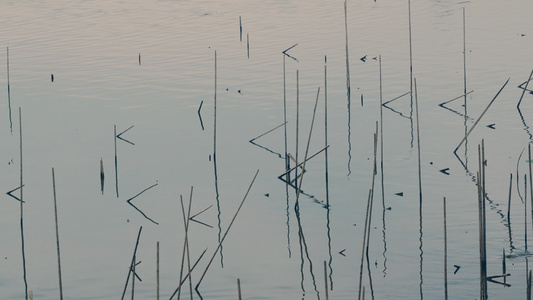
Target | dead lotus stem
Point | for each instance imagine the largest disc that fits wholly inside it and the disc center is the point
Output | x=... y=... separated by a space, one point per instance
x=481 y=116
x=57 y=237
x=307 y=149
x=226 y=233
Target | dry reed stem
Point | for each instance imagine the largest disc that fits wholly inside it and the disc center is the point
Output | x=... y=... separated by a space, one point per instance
x=57 y=237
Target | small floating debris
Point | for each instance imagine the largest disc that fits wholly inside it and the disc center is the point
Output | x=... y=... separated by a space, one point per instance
x=10 y=193
x=199 y=222
x=199 y=115
x=456 y=268
x=125 y=140
x=287 y=54
x=140 y=211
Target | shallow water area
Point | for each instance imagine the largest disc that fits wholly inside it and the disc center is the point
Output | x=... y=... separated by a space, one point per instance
x=160 y=66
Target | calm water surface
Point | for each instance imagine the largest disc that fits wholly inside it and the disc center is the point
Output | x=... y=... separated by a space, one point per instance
x=151 y=65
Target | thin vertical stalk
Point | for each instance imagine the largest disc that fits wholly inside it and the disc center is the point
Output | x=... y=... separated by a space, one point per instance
x=239 y=287
x=509 y=200
x=464 y=57
x=419 y=184
x=381 y=135
x=530 y=181
x=187 y=235
x=297 y=119
x=285 y=118
x=464 y=86
x=525 y=210
x=347 y=55
x=133 y=279
x=327 y=175
x=446 y=252
x=504 y=266
x=215 y=112
x=240 y=27
x=22 y=210
x=480 y=214
x=186 y=252
x=326 y=128
x=411 y=72
x=296 y=205
x=410 y=54
x=116 y=160
x=286 y=157
x=227 y=230
x=509 y=212
x=132 y=265
x=418 y=145
x=374 y=172
x=364 y=243
x=326 y=280
x=484 y=197
x=215 y=160
x=480 y=239
x=185 y=243
x=529 y=285
x=9 y=98
x=381 y=165
x=157 y=271
x=57 y=237
x=348 y=89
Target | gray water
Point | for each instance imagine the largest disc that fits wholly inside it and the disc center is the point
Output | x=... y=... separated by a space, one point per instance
x=150 y=64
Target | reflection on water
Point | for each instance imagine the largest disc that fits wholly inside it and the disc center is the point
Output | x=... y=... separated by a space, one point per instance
x=217 y=194
x=150 y=63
